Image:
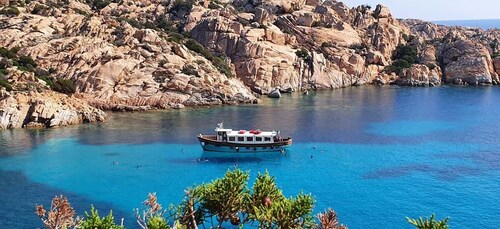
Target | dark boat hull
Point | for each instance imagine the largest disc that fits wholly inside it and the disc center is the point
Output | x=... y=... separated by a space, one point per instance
x=208 y=143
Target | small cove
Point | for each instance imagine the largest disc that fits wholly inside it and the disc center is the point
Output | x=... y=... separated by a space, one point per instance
x=374 y=154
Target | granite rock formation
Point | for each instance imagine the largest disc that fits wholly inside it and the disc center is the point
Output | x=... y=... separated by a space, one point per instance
x=156 y=54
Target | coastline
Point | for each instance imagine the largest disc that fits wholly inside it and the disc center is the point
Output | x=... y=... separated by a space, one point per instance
x=47 y=114
x=118 y=57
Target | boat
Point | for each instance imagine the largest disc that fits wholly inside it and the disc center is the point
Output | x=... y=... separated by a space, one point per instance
x=243 y=141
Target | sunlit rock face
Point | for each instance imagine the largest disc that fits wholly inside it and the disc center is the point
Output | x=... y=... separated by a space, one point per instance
x=135 y=55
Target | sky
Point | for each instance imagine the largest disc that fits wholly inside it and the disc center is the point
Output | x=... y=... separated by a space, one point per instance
x=437 y=10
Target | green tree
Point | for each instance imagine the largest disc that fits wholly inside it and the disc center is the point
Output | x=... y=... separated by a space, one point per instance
x=429 y=223
x=94 y=221
x=264 y=193
x=225 y=197
x=5 y=84
x=228 y=199
x=403 y=57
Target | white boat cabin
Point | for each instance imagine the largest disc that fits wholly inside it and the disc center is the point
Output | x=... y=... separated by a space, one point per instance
x=245 y=136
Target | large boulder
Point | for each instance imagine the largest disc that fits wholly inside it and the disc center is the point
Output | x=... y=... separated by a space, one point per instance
x=496 y=63
x=420 y=75
x=375 y=57
x=382 y=11
x=48 y=109
x=465 y=61
x=469 y=69
x=276 y=94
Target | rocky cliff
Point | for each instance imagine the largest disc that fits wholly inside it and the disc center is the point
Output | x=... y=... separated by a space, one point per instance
x=137 y=55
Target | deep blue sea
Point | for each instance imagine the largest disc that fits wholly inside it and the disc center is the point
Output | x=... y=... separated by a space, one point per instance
x=484 y=24
x=374 y=154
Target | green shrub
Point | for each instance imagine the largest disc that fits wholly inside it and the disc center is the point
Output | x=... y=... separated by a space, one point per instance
x=404 y=56
x=44 y=75
x=175 y=37
x=47 y=80
x=3 y=72
x=26 y=61
x=406 y=52
x=429 y=223
x=157 y=223
x=65 y=86
x=228 y=197
x=302 y=53
x=218 y=62
x=166 y=25
x=94 y=221
x=222 y=66
x=5 y=84
x=182 y=6
x=10 y=11
x=9 y=54
x=224 y=197
x=194 y=46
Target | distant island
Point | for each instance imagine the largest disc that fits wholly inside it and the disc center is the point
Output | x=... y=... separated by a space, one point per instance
x=64 y=62
x=483 y=23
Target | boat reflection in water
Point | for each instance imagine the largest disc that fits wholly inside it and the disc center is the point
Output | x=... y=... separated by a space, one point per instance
x=239 y=158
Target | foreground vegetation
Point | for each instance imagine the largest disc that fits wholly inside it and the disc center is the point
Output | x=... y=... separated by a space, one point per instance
x=224 y=201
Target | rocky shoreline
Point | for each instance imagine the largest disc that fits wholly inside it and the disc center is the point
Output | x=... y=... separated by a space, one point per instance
x=64 y=62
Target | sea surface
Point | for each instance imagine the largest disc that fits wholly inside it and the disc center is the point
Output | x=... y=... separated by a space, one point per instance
x=484 y=24
x=374 y=154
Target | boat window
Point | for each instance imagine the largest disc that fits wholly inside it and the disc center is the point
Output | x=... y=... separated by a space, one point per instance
x=249 y=139
x=232 y=139
x=241 y=139
x=267 y=139
x=258 y=139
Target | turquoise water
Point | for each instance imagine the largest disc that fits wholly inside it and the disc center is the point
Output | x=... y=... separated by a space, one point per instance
x=374 y=154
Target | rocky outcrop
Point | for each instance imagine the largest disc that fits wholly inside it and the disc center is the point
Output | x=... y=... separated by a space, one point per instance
x=466 y=62
x=140 y=55
x=114 y=65
x=48 y=109
x=274 y=94
x=420 y=75
x=496 y=63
